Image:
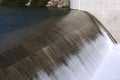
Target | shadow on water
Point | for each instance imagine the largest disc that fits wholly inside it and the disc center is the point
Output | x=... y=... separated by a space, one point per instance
x=67 y=47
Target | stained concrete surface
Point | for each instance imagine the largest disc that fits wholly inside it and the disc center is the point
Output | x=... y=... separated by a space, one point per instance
x=111 y=20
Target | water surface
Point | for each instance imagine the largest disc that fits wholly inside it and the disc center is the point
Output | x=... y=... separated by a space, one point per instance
x=16 y=18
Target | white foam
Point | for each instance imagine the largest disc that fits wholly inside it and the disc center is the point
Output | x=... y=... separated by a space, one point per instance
x=110 y=68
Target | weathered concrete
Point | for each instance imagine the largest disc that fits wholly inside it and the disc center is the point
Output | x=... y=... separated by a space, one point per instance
x=107 y=11
x=95 y=4
x=111 y=20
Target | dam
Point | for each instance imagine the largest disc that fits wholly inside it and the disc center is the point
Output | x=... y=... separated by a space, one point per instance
x=57 y=44
x=67 y=47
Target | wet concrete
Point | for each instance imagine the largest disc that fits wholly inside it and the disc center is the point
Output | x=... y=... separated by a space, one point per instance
x=68 y=47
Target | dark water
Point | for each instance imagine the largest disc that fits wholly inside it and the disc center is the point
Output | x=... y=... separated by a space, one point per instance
x=16 y=18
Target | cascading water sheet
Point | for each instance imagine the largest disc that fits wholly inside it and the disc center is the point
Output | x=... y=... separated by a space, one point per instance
x=68 y=47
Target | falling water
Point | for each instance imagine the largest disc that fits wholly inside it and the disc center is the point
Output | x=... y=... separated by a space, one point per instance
x=68 y=47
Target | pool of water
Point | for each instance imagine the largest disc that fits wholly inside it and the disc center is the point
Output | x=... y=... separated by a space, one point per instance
x=16 y=18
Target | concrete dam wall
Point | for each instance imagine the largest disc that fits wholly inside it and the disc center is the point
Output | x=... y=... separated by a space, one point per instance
x=95 y=4
x=67 y=47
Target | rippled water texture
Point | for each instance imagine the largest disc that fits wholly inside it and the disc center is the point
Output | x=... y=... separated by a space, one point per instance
x=68 y=47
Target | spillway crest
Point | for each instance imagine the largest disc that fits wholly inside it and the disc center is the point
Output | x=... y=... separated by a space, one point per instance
x=67 y=47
